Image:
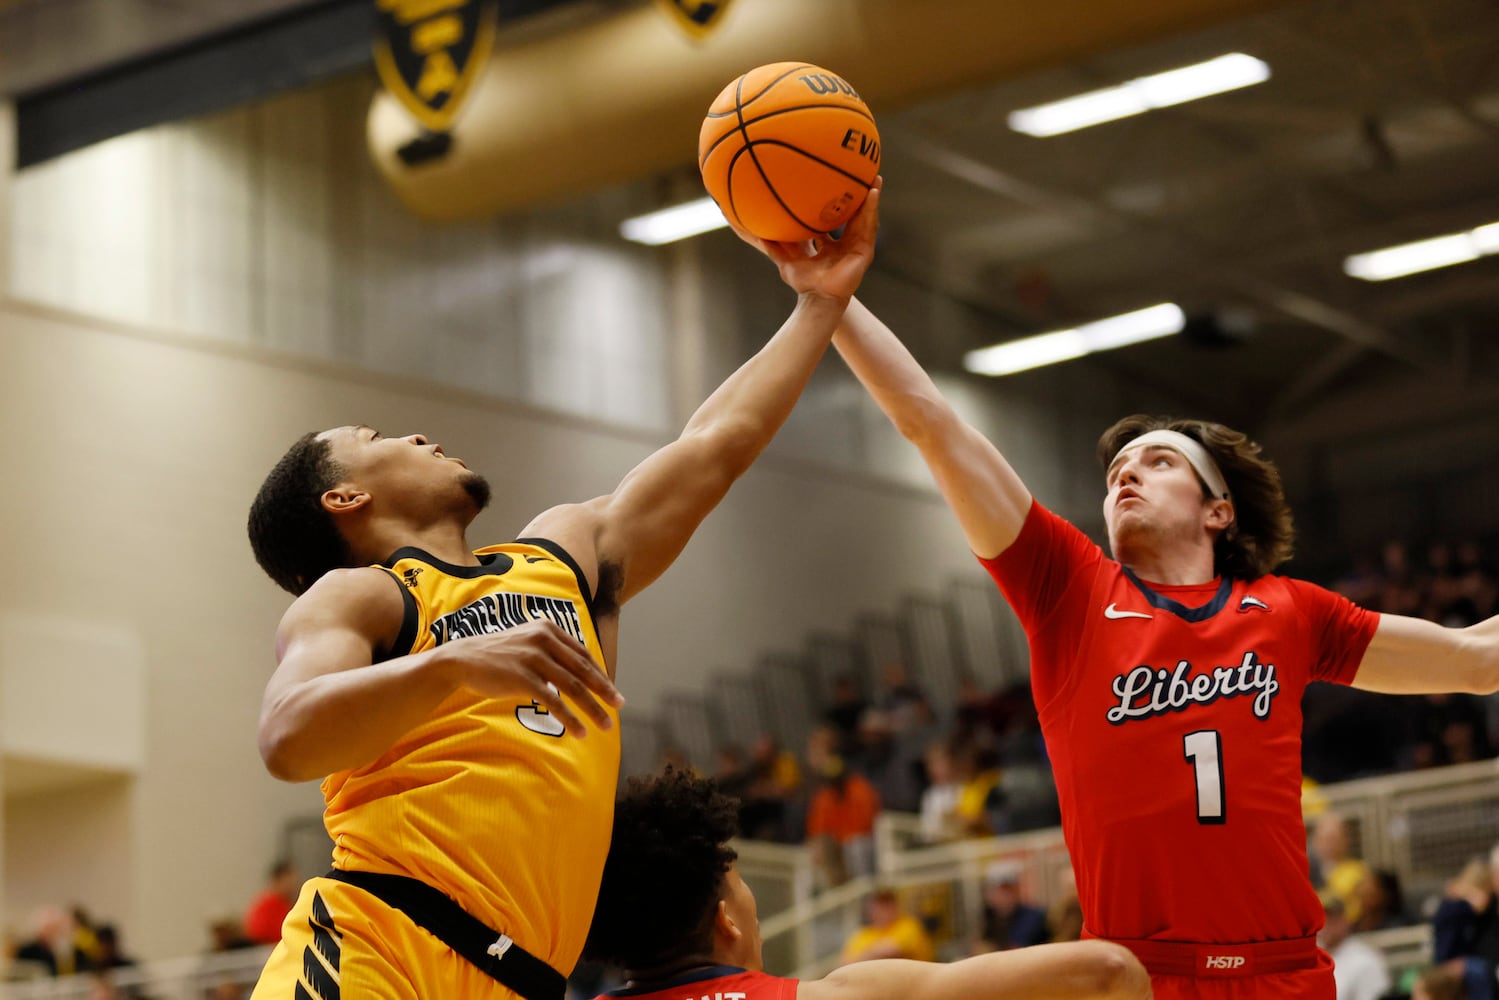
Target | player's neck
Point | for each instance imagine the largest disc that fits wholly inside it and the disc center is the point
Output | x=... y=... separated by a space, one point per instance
x=662 y=975
x=1171 y=569
x=446 y=540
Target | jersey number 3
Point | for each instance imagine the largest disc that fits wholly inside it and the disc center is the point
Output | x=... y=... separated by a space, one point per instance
x=538 y=719
x=1204 y=751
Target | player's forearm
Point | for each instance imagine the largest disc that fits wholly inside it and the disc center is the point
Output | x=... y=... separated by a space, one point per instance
x=348 y=718
x=1070 y=971
x=898 y=384
x=745 y=412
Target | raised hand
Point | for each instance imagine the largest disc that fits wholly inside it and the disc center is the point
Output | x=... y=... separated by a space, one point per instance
x=827 y=267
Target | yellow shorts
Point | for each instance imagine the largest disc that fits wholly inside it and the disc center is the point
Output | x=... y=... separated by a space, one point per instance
x=339 y=941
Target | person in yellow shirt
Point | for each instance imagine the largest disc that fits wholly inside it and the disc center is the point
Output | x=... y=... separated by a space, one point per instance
x=889 y=933
x=442 y=692
x=1339 y=873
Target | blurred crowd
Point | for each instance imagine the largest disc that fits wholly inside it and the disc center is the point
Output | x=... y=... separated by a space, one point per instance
x=67 y=941
x=1352 y=734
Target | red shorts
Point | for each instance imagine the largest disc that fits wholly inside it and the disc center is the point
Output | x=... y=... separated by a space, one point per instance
x=1266 y=970
x=1309 y=984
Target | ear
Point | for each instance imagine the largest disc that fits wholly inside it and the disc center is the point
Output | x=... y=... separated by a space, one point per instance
x=344 y=498
x=1220 y=515
x=724 y=926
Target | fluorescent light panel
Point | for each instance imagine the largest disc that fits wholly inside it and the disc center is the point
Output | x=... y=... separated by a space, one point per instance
x=1064 y=345
x=675 y=223
x=1160 y=90
x=1424 y=255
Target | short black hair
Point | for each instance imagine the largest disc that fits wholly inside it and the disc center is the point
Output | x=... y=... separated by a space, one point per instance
x=294 y=537
x=665 y=871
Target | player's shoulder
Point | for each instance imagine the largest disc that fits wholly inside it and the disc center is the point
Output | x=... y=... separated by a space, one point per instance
x=367 y=596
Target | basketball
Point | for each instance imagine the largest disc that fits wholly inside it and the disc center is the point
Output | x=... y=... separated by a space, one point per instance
x=788 y=151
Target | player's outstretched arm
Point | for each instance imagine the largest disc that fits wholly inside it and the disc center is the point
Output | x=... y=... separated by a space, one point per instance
x=330 y=707
x=1415 y=656
x=644 y=524
x=989 y=499
x=1069 y=971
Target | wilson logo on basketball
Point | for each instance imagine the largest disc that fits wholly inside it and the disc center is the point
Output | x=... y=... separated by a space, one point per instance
x=827 y=83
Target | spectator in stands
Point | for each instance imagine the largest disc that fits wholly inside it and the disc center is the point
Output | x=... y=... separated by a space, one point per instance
x=110 y=956
x=888 y=932
x=775 y=781
x=227 y=934
x=1337 y=871
x=899 y=695
x=1476 y=579
x=731 y=775
x=1381 y=903
x=1450 y=729
x=1465 y=930
x=1439 y=983
x=1359 y=970
x=939 y=803
x=1009 y=921
x=979 y=802
x=264 y=915
x=845 y=709
x=840 y=818
x=52 y=945
x=1064 y=917
x=1402 y=592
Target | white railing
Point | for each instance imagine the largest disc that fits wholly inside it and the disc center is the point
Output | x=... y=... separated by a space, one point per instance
x=1422 y=825
x=197 y=977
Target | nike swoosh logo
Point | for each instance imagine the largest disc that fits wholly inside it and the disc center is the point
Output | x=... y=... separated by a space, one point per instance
x=1112 y=611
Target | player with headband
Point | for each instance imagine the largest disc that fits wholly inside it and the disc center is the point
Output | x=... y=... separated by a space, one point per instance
x=1168 y=676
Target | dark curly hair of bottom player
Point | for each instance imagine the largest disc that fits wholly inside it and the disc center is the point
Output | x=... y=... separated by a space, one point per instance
x=665 y=872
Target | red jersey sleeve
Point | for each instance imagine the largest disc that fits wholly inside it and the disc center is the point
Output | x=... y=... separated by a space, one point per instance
x=1338 y=629
x=1048 y=556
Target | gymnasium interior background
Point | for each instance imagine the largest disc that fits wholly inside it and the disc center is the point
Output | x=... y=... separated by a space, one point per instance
x=206 y=249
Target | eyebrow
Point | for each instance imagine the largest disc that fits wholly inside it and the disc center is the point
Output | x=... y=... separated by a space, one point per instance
x=1147 y=449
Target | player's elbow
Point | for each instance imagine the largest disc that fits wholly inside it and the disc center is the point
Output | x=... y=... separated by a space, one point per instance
x=733 y=445
x=281 y=753
x=924 y=419
x=1118 y=974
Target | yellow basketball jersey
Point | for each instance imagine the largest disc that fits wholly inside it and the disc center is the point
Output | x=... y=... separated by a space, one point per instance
x=488 y=800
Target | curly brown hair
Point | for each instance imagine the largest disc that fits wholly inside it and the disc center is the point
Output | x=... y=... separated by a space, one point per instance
x=1262 y=535
x=665 y=871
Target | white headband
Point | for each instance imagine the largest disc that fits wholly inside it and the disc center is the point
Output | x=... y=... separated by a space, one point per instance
x=1196 y=455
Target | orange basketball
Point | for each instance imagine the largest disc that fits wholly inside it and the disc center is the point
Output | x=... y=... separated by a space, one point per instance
x=788 y=151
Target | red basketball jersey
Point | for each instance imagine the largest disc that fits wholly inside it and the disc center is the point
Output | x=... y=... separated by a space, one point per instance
x=720 y=982
x=1172 y=716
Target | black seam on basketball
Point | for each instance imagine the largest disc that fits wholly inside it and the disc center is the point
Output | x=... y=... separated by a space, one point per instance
x=767 y=88
x=745 y=123
x=749 y=148
x=729 y=186
x=816 y=159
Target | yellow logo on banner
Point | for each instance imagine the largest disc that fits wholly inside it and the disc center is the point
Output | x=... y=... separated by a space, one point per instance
x=428 y=53
x=699 y=17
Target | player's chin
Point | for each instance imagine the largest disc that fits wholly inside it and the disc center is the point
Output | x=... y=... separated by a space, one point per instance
x=476 y=487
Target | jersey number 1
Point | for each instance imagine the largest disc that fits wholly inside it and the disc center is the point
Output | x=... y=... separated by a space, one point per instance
x=1204 y=749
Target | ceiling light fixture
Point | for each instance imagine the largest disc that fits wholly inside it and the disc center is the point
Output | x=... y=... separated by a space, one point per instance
x=1423 y=255
x=1160 y=90
x=1064 y=345
x=675 y=223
